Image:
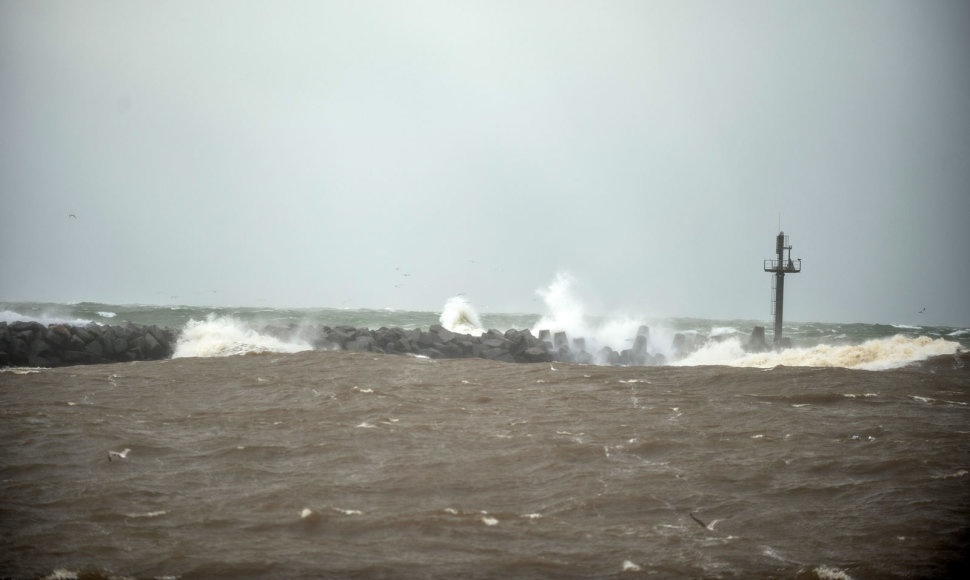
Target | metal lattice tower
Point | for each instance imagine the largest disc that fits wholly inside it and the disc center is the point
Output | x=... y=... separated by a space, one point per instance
x=780 y=267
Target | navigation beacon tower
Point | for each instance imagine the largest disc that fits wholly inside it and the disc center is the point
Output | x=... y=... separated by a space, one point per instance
x=780 y=267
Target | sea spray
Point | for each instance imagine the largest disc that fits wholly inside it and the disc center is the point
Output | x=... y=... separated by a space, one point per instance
x=724 y=344
x=566 y=312
x=459 y=316
x=225 y=336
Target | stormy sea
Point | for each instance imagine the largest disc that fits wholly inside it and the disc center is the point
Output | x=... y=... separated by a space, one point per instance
x=247 y=455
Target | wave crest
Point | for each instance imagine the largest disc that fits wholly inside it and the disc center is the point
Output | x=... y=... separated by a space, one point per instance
x=459 y=316
x=225 y=336
x=873 y=355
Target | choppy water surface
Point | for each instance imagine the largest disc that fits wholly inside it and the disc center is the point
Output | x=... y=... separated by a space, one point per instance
x=338 y=464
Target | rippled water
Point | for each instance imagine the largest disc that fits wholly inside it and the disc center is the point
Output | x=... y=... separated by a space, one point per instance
x=338 y=464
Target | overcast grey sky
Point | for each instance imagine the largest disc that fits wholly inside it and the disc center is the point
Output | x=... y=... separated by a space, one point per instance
x=313 y=153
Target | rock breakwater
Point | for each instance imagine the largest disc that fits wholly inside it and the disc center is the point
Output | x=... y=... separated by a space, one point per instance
x=36 y=345
x=438 y=342
x=433 y=342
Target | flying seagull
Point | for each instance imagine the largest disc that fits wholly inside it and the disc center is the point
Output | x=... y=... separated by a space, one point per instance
x=71 y=215
x=118 y=454
x=922 y=311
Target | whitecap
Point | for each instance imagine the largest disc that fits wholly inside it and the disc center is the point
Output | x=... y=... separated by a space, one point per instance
x=347 y=512
x=827 y=573
x=154 y=514
x=62 y=574
x=10 y=316
x=22 y=370
x=957 y=473
x=875 y=354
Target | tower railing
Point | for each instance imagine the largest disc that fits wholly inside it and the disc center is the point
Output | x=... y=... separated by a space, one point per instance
x=790 y=266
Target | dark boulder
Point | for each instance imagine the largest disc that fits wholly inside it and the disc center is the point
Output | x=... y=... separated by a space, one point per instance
x=362 y=343
x=534 y=354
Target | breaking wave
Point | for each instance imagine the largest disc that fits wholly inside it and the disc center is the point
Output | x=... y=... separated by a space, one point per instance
x=877 y=354
x=566 y=312
x=225 y=336
x=459 y=316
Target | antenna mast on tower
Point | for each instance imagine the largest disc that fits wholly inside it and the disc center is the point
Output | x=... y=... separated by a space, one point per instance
x=780 y=267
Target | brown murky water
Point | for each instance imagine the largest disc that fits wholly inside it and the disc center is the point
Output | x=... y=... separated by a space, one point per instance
x=354 y=465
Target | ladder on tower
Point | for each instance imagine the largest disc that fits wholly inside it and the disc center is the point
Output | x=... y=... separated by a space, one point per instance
x=774 y=295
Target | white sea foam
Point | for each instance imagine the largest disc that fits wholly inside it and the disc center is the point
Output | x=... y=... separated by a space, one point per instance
x=107 y=314
x=876 y=354
x=347 y=512
x=224 y=336
x=459 y=316
x=62 y=574
x=725 y=352
x=629 y=566
x=828 y=573
x=154 y=514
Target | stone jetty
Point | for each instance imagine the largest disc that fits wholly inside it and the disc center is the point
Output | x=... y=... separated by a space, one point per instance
x=36 y=345
x=433 y=342
x=439 y=342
